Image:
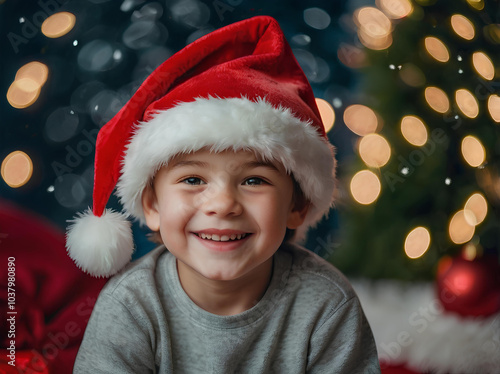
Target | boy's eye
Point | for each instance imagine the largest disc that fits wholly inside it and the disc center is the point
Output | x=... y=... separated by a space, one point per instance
x=254 y=181
x=194 y=181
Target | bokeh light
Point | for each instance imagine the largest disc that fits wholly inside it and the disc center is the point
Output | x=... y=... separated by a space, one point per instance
x=463 y=27
x=61 y=125
x=351 y=56
x=467 y=103
x=327 y=113
x=470 y=251
x=437 y=99
x=365 y=187
x=459 y=229
x=58 y=24
x=494 y=107
x=477 y=205
x=317 y=18
x=417 y=242
x=70 y=190
x=374 y=28
x=476 y=4
x=21 y=94
x=414 y=130
x=360 y=119
x=436 y=49
x=395 y=8
x=96 y=56
x=483 y=65
x=17 y=169
x=25 y=89
x=34 y=70
x=412 y=75
x=377 y=44
x=492 y=33
x=374 y=150
x=315 y=68
x=473 y=151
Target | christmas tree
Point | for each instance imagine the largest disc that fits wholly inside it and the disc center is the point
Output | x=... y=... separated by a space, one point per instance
x=420 y=195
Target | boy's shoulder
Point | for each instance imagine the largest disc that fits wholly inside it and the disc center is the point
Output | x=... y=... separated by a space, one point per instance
x=316 y=276
x=139 y=273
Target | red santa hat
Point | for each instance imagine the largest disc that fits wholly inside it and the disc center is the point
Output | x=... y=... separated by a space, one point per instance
x=239 y=87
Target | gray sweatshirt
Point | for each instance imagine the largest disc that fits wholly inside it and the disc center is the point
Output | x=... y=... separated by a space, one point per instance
x=308 y=321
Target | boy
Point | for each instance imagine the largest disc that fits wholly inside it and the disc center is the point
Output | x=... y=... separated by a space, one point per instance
x=222 y=153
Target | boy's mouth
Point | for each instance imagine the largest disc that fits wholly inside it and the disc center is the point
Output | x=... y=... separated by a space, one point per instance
x=221 y=238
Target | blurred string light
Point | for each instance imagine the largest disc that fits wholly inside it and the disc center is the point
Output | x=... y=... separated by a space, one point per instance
x=365 y=187
x=17 y=169
x=414 y=130
x=473 y=151
x=25 y=89
x=467 y=103
x=494 y=107
x=374 y=150
x=483 y=65
x=58 y=24
x=327 y=113
x=462 y=225
x=395 y=9
x=476 y=4
x=360 y=119
x=436 y=49
x=462 y=26
x=478 y=206
x=459 y=228
x=374 y=28
x=437 y=99
x=417 y=242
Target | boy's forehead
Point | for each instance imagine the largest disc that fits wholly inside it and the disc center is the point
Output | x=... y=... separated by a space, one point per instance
x=234 y=158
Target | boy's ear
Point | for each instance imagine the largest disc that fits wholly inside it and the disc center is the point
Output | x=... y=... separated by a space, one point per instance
x=150 y=208
x=298 y=214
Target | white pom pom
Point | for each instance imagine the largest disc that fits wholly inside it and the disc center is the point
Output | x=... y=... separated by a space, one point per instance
x=100 y=246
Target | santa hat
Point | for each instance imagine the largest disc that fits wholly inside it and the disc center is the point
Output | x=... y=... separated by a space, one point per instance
x=238 y=87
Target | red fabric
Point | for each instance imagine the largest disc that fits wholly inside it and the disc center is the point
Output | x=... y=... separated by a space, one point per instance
x=249 y=58
x=398 y=369
x=53 y=298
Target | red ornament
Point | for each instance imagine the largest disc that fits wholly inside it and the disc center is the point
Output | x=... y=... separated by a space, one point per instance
x=469 y=288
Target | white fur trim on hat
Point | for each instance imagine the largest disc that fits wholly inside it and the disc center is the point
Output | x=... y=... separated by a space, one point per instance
x=411 y=327
x=100 y=246
x=234 y=123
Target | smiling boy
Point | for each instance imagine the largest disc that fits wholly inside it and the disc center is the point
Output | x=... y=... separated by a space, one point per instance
x=222 y=226
x=222 y=154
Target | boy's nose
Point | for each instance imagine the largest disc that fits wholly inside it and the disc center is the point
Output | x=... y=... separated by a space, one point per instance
x=221 y=200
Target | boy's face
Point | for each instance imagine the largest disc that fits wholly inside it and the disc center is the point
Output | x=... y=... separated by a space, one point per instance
x=222 y=215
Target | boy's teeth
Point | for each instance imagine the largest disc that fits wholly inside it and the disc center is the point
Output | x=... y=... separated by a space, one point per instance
x=223 y=238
